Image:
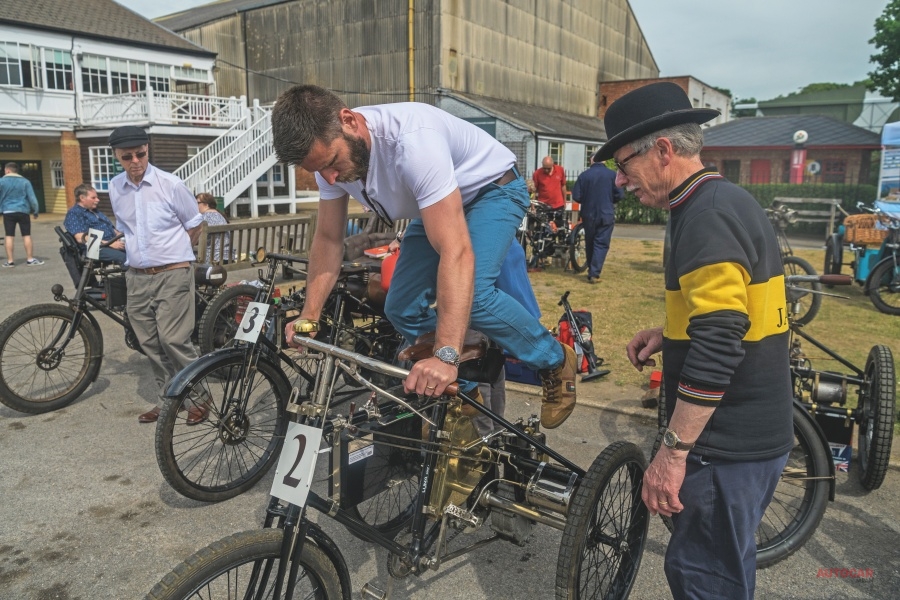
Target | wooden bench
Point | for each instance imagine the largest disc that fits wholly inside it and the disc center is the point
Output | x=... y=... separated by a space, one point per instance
x=807 y=215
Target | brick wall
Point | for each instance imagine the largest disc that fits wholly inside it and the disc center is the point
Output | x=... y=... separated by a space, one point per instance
x=856 y=171
x=73 y=175
x=610 y=91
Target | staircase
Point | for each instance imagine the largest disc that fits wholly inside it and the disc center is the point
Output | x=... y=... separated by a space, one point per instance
x=232 y=163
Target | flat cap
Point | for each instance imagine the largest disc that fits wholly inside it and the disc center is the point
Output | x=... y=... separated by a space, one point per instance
x=128 y=136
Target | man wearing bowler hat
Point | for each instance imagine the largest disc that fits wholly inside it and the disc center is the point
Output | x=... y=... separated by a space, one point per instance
x=724 y=346
x=161 y=222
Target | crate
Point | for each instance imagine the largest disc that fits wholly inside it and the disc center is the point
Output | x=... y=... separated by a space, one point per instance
x=860 y=229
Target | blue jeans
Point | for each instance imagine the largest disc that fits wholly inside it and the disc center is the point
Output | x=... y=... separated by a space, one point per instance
x=492 y=220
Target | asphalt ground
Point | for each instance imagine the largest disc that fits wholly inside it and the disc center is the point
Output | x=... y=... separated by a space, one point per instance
x=86 y=514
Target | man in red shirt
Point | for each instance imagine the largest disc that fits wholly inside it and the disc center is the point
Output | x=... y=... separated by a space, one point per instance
x=550 y=182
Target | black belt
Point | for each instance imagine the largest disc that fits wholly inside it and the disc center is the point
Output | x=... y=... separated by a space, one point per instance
x=510 y=175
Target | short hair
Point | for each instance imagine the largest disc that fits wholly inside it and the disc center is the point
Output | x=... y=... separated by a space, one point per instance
x=686 y=138
x=303 y=115
x=207 y=199
x=83 y=190
x=12 y=167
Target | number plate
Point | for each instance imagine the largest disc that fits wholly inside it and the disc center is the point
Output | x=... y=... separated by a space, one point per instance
x=297 y=463
x=251 y=324
x=92 y=242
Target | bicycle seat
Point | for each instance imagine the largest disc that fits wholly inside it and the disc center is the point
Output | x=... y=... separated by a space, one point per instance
x=479 y=360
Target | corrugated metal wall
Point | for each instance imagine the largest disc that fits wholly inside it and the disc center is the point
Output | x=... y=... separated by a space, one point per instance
x=224 y=36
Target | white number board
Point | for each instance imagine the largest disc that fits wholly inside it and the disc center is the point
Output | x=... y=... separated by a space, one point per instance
x=297 y=463
x=252 y=323
x=92 y=240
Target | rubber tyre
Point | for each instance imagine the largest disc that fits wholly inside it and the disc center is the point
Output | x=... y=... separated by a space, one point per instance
x=213 y=572
x=27 y=387
x=883 y=282
x=221 y=318
x=834 y=256
x=811 y=302
x=876 y=420
x=225 y=455
x=800 y=497
x=601 y=547
x=577 y=251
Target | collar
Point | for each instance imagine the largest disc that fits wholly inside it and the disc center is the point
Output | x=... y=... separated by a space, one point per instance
x=684 y=191
x=148 y=172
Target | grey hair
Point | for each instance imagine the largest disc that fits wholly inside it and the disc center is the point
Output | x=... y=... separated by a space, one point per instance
x=303 y=115
x=687 y=139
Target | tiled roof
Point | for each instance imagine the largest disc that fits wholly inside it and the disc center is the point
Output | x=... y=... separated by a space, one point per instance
x=539 y=120
x=779 y=131
x=98 y=19
x=205 y=13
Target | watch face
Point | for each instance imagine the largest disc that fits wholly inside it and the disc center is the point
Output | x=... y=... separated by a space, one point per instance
x=669 y=438
x=447 y=354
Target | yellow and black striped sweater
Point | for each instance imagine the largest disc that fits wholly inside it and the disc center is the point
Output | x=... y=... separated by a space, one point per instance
x=726 y=333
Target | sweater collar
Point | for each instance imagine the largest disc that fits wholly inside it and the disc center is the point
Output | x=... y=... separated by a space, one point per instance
x=684 y=191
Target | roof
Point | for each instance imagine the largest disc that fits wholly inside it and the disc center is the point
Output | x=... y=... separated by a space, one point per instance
x=538 y=120
x=205 y=13
x=95 y=19
x=845 y=95
x=779 y=131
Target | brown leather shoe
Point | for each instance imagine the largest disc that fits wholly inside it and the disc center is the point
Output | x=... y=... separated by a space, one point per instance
x=559 y=390
x=150 y=416
x=197 y=414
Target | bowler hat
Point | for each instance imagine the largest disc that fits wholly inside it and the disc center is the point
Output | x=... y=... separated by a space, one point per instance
x=645 y=110
x=128 y=136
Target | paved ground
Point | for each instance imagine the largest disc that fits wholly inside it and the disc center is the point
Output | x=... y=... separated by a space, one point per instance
x=85 y=513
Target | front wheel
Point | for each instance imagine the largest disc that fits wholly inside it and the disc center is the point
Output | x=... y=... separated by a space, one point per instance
x=220 y=320
x=244 y=565
x=38 y=374
x=876 y=422
x=606 y=528
x=884 y=287
x=577 y=251
x=238 y=442
x=834 y=255
x=808 y=302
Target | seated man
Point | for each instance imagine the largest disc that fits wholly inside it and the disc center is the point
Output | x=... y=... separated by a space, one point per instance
x=84 y=215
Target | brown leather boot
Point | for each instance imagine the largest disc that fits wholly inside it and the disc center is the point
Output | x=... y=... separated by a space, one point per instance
x=559 y=390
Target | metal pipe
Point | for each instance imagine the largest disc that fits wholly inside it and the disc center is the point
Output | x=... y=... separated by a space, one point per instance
x=540 y=516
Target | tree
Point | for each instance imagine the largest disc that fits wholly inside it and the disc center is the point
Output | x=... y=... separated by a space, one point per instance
x=886 y=77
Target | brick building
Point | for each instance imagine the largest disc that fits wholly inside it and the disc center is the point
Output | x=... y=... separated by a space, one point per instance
x=701 y=94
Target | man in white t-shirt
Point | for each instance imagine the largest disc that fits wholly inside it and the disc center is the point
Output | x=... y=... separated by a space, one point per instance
x=414 y=161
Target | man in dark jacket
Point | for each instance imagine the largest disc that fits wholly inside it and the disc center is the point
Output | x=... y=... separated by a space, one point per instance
x=596 y=191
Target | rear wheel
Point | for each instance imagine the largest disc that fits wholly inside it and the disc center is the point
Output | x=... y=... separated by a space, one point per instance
x=806 y=297
x=884 y=287
x=876 y=422
x=244 y=565
x=38 y=376
x=221 y=318
x=834 y=255
x=577 y=251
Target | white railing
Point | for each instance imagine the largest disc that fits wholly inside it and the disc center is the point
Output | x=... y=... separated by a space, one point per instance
x=170 y=108
x=202 y=165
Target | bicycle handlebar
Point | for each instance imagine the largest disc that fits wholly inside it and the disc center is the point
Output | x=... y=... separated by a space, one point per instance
x=832 y=279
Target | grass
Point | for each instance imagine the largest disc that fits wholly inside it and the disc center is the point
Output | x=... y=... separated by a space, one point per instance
x=629 y=298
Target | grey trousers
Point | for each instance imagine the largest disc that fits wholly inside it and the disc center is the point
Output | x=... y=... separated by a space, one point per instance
x=161 y=312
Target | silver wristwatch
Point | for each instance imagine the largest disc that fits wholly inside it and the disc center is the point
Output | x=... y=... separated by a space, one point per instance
x=448 y=354
x=671 y=440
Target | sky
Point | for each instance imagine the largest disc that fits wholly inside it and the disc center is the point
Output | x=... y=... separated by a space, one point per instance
x=755 y=48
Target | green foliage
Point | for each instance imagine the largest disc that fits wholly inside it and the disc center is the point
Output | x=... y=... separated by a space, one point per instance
x=849 y=194
x=886 y=77
x=630 y=210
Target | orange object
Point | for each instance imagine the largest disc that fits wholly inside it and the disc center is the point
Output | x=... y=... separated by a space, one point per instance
x=655 y=379
x=387 y=269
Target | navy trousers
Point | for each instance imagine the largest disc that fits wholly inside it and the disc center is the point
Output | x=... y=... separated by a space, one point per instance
x=597 y=236
x=712 y=552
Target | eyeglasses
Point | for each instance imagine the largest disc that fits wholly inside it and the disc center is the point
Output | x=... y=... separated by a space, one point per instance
x=379 y=210
x=128 y=157
x=621 y=165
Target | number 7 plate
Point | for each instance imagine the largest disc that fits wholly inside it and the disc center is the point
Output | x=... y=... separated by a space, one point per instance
x=297 y=463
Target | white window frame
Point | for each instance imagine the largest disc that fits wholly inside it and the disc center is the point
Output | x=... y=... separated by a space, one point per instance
x=57 y=177
x=589 y=152
x=555 y=150
x=277 y=176
x=103 y=167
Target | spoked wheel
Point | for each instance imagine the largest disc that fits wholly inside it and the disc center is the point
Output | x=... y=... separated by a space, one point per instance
x=36 y=377
x=876 y=421
x=391 y=510
x=809 y=301
x=577 y=251
x=244 y=565
x=834 y=255
x=606 y=528
x=221 y=318
x=800 y=496
x=238 y=442
x=884 y=287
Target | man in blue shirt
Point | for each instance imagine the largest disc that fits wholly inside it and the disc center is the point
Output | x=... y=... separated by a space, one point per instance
x=17 y=201
x=596 y=191
x=84 y=215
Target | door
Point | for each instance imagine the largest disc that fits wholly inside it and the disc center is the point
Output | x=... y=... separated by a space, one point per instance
x=760 y=171
x=31 y=170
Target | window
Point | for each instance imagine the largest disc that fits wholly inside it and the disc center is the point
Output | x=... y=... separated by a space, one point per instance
x=104 y=167
x=10 y=65
x=56 y=174
x=26 y=66
x=277 y=176
x=159 y=78
x=731 y=170
x=834 y=171
x=555 y=150
x=193 y=151
x=58 y=65
x=94 y=75
x=589 y=152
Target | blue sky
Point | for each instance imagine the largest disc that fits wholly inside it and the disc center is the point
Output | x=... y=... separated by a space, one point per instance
x=757 y=48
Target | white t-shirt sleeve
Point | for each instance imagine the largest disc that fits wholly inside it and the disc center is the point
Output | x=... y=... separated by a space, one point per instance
x=425 y=165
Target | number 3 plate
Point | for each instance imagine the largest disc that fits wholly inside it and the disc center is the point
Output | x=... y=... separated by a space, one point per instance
x=297 y=463
x=251 y=324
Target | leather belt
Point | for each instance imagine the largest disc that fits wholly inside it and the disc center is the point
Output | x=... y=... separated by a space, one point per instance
x=160 y=269
x=510 y=175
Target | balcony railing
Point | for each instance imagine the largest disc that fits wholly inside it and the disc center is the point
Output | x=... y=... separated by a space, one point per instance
x=162 y=108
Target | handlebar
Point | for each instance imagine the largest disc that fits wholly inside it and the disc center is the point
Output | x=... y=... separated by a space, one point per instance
x=832 y=279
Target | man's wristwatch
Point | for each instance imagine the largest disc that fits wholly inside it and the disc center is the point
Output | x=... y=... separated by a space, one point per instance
x=448 y=354
x=671 y=440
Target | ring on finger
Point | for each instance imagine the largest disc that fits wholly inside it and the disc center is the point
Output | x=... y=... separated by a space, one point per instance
x=663 y=502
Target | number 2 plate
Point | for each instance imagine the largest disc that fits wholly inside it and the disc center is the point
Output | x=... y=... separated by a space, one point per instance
x=297 y=463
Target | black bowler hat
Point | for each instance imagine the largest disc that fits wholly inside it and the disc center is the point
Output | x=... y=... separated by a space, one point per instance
x=645 y=110
x=128 y=136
